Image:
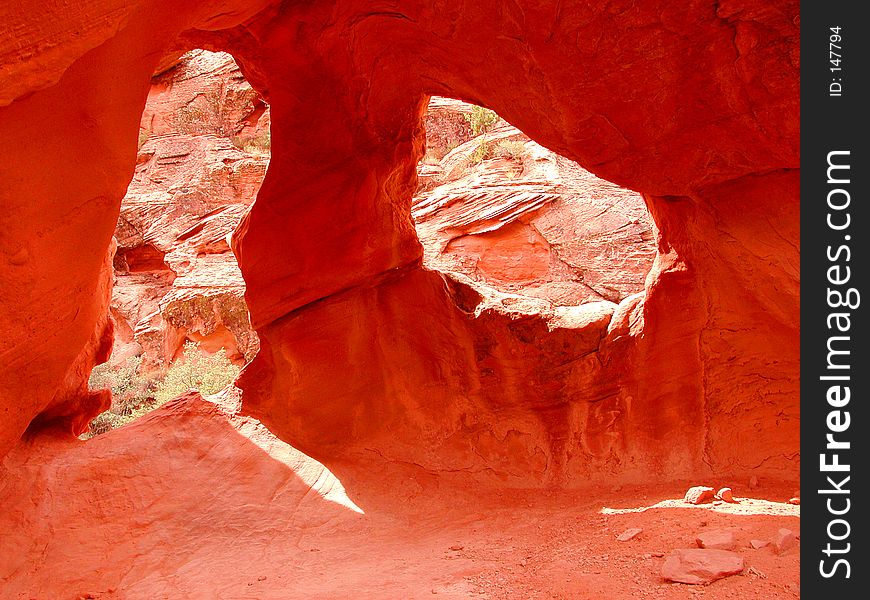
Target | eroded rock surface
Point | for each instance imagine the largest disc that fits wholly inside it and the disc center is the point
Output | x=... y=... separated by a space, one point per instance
x=364 y=351
x=522 y=219
x=250 y=516
x=197 y=173
x=698 y=566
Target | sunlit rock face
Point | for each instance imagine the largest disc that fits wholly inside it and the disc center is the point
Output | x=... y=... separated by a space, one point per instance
x=511 y=215
x=364 y=351
x=203 y=153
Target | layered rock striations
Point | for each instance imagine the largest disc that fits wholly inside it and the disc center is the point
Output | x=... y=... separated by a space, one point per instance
x=510 y=214
x=198 y=169
x=366 y=353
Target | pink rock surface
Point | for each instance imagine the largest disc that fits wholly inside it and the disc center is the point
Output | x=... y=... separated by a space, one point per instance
x=697 y=566
x=176 y=279
x=726 y=495
x=629 y=534
x=531 y=222
x=712 y=147
x=717 y=539
x=784 y=540
x=699 y=494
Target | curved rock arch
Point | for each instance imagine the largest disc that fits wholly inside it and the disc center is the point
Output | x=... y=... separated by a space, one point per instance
x=696 y=107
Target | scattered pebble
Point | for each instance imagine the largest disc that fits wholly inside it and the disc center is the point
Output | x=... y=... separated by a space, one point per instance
x=757 y=544
x=794 y=500
x=699 y=494
x=456 y=547
x=756 y=572
x=629 y=534
x=726 y=495
x=718 y=539
x=701 y=566
x=785 y=539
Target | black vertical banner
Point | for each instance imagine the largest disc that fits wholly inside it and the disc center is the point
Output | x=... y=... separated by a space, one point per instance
x=835 y=460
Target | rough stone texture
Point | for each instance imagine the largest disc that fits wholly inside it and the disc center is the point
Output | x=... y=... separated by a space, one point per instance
x=699 y=494
x=526 y=221
x=177 y=458
x=446 y=126
x=716 y=539
x=699 y=566
x=176 y=278
x=695 y=106
x=784 y=540
x=196 y=501
x=726 y=495
x=629 y=534
x=204 y=93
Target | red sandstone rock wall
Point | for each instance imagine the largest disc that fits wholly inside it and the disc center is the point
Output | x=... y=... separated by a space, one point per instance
x=510 y=214
x=197 y=171
x=364 y=353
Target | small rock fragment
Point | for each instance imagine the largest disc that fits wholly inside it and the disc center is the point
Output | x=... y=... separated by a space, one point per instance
x=456 y=547
x=756 y=572
x=699 y=494
x=795 y=500
x=629 y=534
x=756 y=544
x=726 y=495
x=700 y=566
x=719 y=539
x=785 y=539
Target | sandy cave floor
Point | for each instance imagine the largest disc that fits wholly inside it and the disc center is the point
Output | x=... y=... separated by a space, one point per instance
x=192 y=502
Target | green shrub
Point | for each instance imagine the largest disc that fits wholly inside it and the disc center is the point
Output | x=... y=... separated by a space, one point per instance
x=131 y=392
x=481 y=119
x=481 y=153
x=195 y=371
x=513 y=149
x=135 y=394
x=127 y=385
x=254 y=144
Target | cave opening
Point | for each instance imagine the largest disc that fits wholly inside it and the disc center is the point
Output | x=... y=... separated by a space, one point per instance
x=501 y=211
x=180 y=318
x=478 y=398
x=492 y=209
